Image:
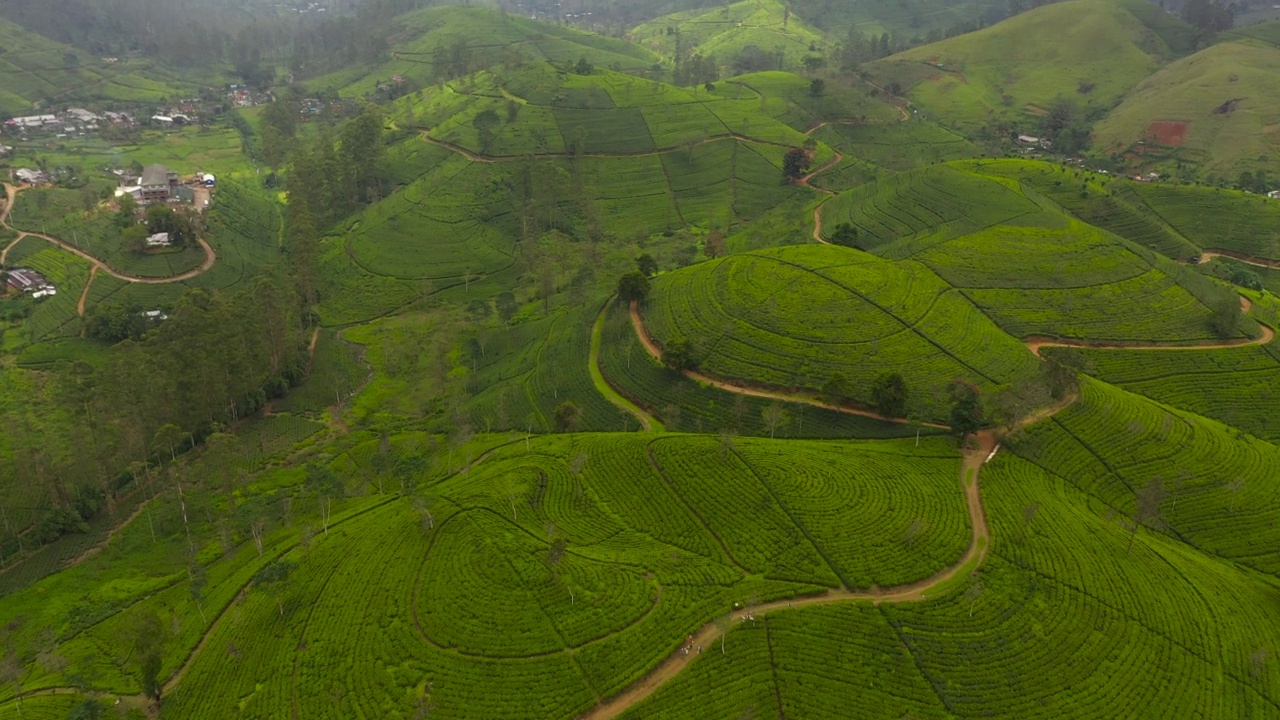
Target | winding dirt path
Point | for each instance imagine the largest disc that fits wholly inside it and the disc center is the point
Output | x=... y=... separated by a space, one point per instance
x=1210 y=254
x=84 y=294
x=1035 y=344
x=707 y=635
x=652 y=347
x=210 y=256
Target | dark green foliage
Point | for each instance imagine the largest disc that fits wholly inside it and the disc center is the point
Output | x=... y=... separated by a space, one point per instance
x=633 y=287
x=1227 y=314
x=680 y=355
x=89 y=709
x=836 y=390
x=646 y=264
x=162 y=219
x=567 y=416
x=889 y=391
x=845 y=234
x=967 y=413
x=794 y=163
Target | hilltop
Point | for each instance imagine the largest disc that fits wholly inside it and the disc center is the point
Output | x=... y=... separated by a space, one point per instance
x=1217 y=108
x=437 y=44
x=1089 y=51
x=769 y=27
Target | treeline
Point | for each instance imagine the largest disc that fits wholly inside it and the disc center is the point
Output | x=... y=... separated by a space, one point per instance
x=216 y=359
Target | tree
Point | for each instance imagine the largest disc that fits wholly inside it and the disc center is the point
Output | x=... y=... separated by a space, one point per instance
x=1225 y=320
x=89 y=709
x=326 y=486
x=836 y=389
x=567 y=416
x=817 y=87
x=148 y=653
x=845 y=234
x=774 y=416
x=583 y=67
x=646 y=264
x=794 y=163
x=889 y=392
x=1063 y=367
x=967 y=413
x=485 y=122
x=633 y=287
x=506 y=306
x=679 y=355
x=973 y=593
x=714 y=246
x=273 y=579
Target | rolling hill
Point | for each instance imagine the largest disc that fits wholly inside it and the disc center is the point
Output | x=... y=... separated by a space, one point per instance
x=431 y=45
x=1217 y=109
x=1088 y=50
x=724 y=32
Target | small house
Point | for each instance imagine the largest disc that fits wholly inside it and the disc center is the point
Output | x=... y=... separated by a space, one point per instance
x=1028 y=140
x=208 y=180
x=31 y=177
x=158 y=240
x=1274 y=194
x=154 y=315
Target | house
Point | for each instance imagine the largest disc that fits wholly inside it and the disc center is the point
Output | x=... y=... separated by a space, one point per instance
x=32 y=121
x=1274 y=194
x=162 y=119
x=1028 y=140
x=30 y=282
x=31 y=177
x=154 y=315
x=82 y=115
x=159 y=240
x=158 y=184
x=208 y=180
x=5 y=150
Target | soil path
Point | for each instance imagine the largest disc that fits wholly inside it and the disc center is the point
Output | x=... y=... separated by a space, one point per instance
x=84 y=294
x=210 y=256
x=1209 y=255
x=708 y=634
x=652 y=347
x=1035 y=344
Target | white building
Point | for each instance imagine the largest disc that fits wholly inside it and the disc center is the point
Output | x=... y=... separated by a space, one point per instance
x=31 y=177
x=159 y=240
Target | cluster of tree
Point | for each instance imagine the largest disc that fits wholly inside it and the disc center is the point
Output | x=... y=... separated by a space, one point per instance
x=753 y=58
x=1067 y=125
x=341 y=40
x=113 y=322
x=216 y=359
x=694 y=69
x=332 y=177
x=1254 y=182
x=160 y=219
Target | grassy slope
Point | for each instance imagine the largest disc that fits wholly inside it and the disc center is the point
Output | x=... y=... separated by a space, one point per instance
x=35 y=69
x=1189 y=90
x=1025 y=62
x=723 y=32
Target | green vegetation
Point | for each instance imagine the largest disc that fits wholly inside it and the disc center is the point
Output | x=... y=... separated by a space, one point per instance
x=794 y=318
x=902 y=427
x=1090 y=51
x=1221 y=93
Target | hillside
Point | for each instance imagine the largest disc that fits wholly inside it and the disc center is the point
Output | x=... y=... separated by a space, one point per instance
x=1089 y=51
x=432 y=45
x=1216 y=109
x=34 y=69
x=723 y=33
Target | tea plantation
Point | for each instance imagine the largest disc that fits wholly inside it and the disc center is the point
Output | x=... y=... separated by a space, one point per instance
x=600 y=390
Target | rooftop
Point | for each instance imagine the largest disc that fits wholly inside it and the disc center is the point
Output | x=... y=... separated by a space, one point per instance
x=155 y=175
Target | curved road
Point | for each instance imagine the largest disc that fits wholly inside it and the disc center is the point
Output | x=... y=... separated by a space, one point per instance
x=210 y=258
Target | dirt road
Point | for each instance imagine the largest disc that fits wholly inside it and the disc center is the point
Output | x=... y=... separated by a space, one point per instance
x=708 y=635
